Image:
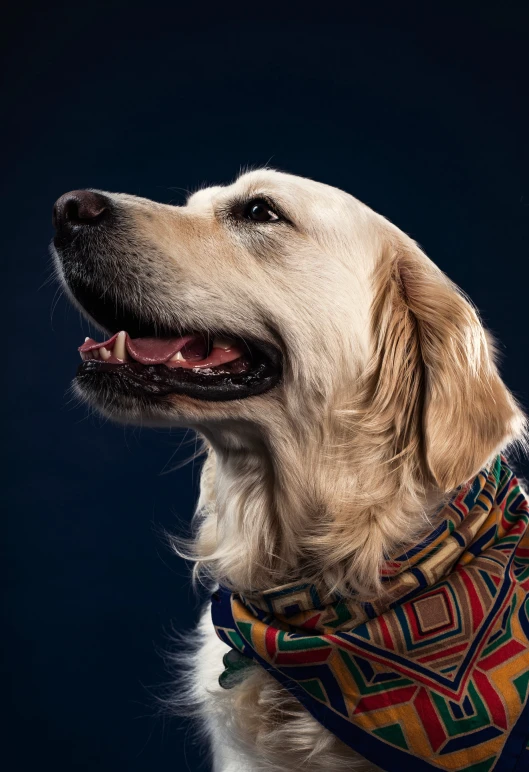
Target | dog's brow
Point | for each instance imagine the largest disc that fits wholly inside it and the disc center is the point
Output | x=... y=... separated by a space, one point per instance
x=208 y=190
x=192 y=193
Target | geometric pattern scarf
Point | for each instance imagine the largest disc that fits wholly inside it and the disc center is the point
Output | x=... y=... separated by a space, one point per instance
x=434 y=676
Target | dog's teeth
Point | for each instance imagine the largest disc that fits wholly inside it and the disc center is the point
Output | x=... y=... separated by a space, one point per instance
x=223 y=343
x=120 y=352
x=105 y=353
x=95 y=353
x=84 y=356
x=87 y=338
x=177 y=357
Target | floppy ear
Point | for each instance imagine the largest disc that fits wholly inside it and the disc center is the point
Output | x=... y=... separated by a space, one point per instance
x=462 y=409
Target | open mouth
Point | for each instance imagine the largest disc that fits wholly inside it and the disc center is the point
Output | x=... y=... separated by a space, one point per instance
x=197 y=365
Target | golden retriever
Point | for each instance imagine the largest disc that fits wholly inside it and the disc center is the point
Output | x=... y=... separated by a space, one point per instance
x=342 y=384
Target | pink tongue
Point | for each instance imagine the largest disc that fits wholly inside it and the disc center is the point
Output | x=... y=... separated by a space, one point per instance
x=155 y=351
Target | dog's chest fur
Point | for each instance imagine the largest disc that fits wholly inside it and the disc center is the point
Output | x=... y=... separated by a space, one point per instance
x=258 y=726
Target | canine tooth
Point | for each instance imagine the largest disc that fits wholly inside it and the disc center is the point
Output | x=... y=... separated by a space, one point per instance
x=120 y=351
x=223 y=343
x=177 y=357
x=105 y=353
x=87 y=338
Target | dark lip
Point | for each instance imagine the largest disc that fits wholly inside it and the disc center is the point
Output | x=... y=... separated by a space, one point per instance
x=133 y=379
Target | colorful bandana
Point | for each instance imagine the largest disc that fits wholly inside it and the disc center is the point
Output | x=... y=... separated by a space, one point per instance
x=436 y=675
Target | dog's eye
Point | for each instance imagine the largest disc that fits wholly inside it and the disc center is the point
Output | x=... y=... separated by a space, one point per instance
x=259 y=210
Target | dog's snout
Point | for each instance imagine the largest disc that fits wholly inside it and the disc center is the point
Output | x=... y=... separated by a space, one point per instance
x=79 y=208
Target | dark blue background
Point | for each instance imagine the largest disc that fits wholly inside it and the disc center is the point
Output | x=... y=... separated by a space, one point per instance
x=424 y=117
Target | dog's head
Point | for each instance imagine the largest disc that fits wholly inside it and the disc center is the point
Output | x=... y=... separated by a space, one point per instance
x=278 y=302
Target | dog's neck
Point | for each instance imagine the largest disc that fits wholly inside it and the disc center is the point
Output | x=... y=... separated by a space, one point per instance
x=274 y=509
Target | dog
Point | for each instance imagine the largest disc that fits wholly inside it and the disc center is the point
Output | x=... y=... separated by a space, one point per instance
x=343 y=386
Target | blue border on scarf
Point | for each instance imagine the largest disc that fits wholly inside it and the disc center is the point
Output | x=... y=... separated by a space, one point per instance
x=513 y=755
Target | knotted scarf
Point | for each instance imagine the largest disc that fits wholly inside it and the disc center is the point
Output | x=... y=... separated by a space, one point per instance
x=434 y=676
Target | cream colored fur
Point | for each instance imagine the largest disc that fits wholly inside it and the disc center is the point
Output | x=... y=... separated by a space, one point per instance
x=390 y=399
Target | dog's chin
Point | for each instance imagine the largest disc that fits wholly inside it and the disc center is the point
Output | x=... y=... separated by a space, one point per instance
x=126 y=409
x=130 y=407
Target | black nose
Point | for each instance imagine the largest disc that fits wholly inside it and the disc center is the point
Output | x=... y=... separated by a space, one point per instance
x=79 y=208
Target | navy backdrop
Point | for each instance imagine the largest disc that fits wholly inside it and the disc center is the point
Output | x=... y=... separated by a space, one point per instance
x=424 y=117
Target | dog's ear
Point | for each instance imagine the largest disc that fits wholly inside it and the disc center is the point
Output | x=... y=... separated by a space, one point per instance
x=444 y=376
